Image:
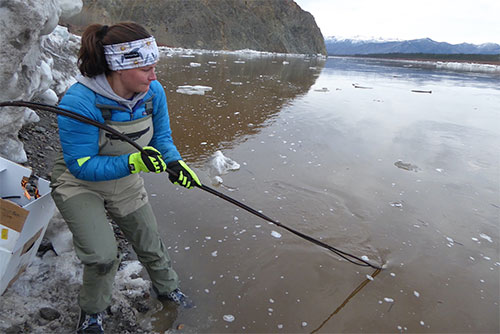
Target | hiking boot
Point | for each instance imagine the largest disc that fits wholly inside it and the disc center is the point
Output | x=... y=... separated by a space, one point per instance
x=178 y=297
x=90 y=323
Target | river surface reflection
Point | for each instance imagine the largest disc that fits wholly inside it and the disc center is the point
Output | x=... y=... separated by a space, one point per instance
x=345 y=151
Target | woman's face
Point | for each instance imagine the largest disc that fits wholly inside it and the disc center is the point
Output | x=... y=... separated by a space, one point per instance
x=137 y=80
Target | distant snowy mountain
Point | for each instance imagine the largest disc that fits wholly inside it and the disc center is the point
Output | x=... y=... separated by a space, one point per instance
x=347 y=46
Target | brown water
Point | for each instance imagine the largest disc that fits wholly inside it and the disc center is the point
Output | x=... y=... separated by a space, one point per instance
x=410 y=180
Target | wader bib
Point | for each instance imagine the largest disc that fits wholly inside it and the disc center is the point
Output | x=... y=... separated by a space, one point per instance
x=84 y=204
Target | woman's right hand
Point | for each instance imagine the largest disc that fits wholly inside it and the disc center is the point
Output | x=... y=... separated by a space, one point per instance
x=152 y=162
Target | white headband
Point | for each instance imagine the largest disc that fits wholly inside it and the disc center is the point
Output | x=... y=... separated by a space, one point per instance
x=138 y=53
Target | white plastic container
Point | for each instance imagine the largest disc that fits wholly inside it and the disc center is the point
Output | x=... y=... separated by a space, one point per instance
x=23 y=221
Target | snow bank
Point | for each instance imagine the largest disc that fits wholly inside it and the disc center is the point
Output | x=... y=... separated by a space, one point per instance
x=244 y=53
x=28 y=58
x=468 y=67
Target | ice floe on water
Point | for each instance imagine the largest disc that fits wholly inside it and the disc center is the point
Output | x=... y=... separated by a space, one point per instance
x=193 y=90
x=396 y=204
x=276 y=234
x=218 y=165
x=486 y=237
x=228 y=317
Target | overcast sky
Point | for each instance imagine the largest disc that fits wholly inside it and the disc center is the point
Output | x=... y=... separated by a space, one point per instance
x=452 y=21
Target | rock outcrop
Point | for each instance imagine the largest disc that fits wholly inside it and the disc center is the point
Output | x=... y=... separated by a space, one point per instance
x=263 y=25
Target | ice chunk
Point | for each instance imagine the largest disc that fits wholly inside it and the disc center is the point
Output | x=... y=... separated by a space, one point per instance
x=486 y=237
x=48 y=97
x=219 y=165
x=193 y=90
x=228 y=317
x=276 y=234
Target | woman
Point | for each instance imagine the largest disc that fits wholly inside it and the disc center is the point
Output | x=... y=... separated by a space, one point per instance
x=98 y=174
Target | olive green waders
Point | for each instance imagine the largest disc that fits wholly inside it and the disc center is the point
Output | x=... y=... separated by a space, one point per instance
x=84 y=204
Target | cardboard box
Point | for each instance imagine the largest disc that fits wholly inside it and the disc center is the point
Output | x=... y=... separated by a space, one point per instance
x=23 y=221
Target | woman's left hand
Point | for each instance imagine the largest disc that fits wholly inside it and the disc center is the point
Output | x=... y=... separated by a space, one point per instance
x=185 y=176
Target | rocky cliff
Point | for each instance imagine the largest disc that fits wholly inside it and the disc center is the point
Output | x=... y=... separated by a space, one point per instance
x=263 y=25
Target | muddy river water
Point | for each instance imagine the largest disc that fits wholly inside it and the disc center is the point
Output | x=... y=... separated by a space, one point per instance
x=392 y=162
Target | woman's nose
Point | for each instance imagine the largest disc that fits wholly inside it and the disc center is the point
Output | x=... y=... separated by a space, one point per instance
x=152 y=75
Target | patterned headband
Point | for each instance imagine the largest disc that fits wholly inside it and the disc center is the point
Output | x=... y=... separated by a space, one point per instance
x=138 y=53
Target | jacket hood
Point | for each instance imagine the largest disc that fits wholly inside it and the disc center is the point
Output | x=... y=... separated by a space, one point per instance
x=100 y=85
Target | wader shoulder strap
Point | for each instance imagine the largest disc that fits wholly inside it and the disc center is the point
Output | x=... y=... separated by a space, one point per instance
x=106 y=110
x=149 y=106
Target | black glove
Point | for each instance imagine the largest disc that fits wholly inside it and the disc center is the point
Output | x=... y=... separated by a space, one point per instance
x=185 y=176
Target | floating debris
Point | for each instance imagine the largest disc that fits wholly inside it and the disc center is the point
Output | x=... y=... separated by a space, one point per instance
x=421 y=91
x=362 y=87
x=406 y=166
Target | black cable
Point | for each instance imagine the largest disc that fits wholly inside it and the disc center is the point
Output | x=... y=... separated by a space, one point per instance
x=63 y=112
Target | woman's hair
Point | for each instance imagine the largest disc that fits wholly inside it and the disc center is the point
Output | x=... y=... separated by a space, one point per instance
x=91 y=60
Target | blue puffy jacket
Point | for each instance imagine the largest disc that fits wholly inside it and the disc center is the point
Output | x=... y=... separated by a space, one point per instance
x=80 y=140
